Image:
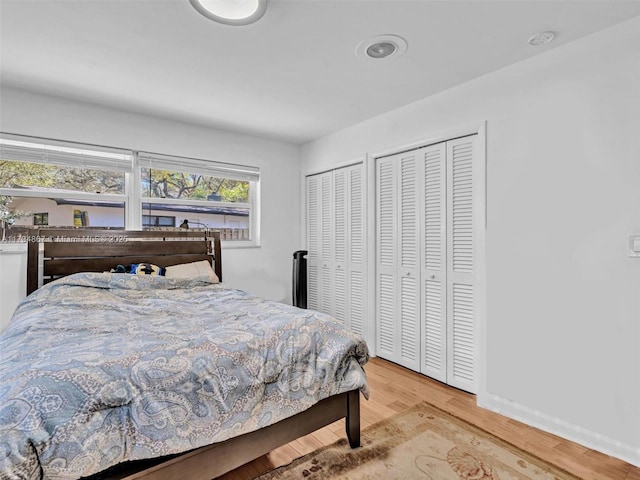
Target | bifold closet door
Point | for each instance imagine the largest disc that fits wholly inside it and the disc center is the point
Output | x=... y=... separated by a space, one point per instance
x=339 y=260
x=336 y=246
x=433 y=273
x=425 y=304
x=313 y=242
x=460 y=264
x=356 y=250
x=327 y=303
x=349 y=286
x=398 y=269
x=320 y=233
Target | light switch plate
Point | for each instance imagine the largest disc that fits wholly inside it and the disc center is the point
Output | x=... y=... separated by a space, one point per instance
x=634 y=246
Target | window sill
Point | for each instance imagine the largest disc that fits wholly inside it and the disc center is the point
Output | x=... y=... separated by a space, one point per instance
x=232 y=244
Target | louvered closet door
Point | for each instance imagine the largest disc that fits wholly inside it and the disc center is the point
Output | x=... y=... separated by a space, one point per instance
x=339 y=262
x=398 y=294
x=386 y=271
x=408 y=229
x=336 y=245
x=327 y=263
x=356 y=287
x=433 y=274
x=460 y=264
x=313 y=242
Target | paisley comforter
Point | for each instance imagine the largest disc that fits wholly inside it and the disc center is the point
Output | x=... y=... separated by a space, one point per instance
x=98 y=368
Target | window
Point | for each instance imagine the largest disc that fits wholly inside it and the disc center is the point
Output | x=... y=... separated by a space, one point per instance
x=77 y=185
x=41 y=219
x=207 y=194
x=85 y=185
x=158 y=221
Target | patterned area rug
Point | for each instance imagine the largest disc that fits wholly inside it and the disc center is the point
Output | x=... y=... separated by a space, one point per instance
x=421 y=443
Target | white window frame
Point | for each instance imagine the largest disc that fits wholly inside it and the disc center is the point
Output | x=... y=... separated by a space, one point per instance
x=209 y=168
x=66 y=154
x=54 y=153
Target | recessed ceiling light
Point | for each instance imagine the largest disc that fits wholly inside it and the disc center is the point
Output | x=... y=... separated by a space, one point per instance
x=231 y=12
x=381 y=46
x=381 y=49
x=541 y=38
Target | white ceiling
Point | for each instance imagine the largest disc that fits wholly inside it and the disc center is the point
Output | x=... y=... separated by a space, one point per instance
x=293 y=75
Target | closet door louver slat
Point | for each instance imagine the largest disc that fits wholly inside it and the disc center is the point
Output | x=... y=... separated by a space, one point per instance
x=312 y=287
x=434 y=356
x=386 y=214
x=463 y=333
x=340 y=211
x=356 y=216
x=408 y=213
x=387 y=318
x=356 y=302
x=339 y=299
x=326 y=218
x=462 y=202
x=409 y=323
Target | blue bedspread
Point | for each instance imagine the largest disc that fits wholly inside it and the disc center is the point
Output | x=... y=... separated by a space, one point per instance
x=98 y=368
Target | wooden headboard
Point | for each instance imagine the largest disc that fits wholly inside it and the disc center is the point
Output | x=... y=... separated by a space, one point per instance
x=67 y=251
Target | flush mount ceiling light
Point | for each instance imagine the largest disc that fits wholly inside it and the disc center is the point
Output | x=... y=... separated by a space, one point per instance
x=541 y=38
x=381 y=46
x=231 y=12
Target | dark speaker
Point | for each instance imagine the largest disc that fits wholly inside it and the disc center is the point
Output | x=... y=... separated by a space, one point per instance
x=299 y=280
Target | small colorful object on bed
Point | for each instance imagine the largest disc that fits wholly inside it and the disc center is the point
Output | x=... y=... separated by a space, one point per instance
x=146 y=269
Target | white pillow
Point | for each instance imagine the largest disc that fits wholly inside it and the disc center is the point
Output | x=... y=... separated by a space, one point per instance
x=197 y=271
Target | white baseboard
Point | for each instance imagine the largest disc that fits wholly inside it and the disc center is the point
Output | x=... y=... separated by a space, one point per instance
x=560 y=428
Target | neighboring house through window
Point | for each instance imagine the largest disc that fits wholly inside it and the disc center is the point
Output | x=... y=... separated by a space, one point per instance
x=158 y=221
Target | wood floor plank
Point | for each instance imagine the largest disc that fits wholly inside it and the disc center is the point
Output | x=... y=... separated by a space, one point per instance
x=395 y=389
x=632 y=474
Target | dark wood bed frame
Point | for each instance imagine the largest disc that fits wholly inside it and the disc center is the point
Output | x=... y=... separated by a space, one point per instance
x=67 y=251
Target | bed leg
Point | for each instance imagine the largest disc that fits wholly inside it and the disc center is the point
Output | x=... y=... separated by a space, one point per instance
x=353 y=418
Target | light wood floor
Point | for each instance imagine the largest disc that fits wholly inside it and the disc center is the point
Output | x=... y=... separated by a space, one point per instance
x=394 y=389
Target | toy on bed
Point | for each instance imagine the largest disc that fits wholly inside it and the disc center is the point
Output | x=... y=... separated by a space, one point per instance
x=139 y=269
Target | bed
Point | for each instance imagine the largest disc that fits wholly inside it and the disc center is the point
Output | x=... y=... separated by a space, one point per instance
x=120 y=376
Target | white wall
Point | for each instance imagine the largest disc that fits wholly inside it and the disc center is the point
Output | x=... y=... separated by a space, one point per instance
x=265 y=271
x=563 y=194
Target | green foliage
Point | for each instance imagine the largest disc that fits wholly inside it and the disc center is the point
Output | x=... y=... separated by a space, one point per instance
x=239 y=192
x=18 y=174
x=8 y=216
x=23 y=174
x=155 y=183
x=167 y=184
